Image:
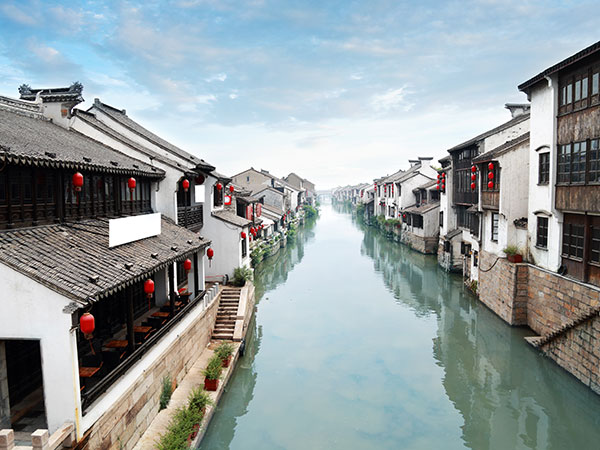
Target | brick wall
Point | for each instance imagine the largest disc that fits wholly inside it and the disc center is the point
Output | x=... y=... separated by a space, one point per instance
x=578 y=352
x=122 y=425
x=503 y=287
x=553 y=300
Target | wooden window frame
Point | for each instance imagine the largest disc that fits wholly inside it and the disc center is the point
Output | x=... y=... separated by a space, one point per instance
x=543 y=168
x=541 y=235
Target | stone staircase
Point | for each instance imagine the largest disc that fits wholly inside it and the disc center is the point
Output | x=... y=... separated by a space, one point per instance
x=539 y=341
x=227 y=313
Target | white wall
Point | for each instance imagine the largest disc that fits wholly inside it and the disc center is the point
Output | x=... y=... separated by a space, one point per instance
x=514 y=189
x=32 y=311
x=544 y=99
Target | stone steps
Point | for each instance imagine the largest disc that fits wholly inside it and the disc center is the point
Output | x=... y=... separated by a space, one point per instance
x=227 y=314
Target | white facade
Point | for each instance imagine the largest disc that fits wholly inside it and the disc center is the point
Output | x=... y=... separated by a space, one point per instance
x=544 y=101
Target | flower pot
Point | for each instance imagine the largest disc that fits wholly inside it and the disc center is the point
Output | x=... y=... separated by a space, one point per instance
x=515 y=258
x=226 y=361
x=210 y=385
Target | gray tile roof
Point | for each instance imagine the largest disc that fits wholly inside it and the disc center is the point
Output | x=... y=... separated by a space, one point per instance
x=482 y=136
x=422 y=209
x=231 y=218
x=561 y=65
x=28 y=140
x=74 y=258
x=273 y=210
x=502 y=149
x=121 y=117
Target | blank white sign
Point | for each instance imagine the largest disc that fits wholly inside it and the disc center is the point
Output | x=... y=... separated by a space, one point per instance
x=133 y=228
x=199 y=193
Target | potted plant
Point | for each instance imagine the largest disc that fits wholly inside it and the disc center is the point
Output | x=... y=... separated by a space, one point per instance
x=224 y=351
x=513 y=254
x=212 y=373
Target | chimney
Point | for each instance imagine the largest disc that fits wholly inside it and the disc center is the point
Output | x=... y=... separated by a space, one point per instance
x=517 y=109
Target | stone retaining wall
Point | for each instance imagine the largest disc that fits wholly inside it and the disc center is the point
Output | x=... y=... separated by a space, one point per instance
x=578 y=352
x=426 y=245
x=503 y=287
x=122 y=425
x=554 y=299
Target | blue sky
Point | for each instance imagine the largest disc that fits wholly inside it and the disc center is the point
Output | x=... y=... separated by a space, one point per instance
x=337 y=91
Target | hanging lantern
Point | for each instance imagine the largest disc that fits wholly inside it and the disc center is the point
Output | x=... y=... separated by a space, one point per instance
x=443 y=175
x=199 y=179
x=231 y=188
x=219 y=186
x=131 y=185
x=404 y=216
x=77 y=182
x=490 y=175
x=473 y=169
x=149 y=288
x=227 y=200
x=185 y=184
x=473 y=186
x=250 y=238
x=443 y=186
x=491 y=166
x=473 y=177
x=87 y=325
x=210 y=253
x=439 y=176
x=437 y=186
x=187 y=266
x=490 y=185
x=243 y=234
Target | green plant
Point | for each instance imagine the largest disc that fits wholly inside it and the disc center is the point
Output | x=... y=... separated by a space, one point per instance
x=511 y=250
x=310 y=212
x=224 y=350
x=241 y=275
x=180 y=428
x=166 y=392
x=199 y=399
x=213 y=369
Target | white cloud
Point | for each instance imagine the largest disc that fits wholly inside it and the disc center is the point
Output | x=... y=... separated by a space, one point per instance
x=393 y=99
x=17 y=15
x=216 y=77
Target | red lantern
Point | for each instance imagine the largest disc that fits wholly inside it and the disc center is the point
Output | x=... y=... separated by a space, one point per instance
x=186 y=185
x=473 y=177
x=473 y=169
x=437 y=186
x=443 y=175
x=187 y=266
x=443 y=186
x=439 y=176
x=77 y=182
x=250 y=238
x=219 y=186
x=210 y=253
x=149 y=288
x=227 y=200
x=243 y=235
x=131 y=183
x=490 y=175
x=491 y=166
x=491 y=185
x=473 y=186
x=87 y=324
x=404 y=216
x=231 y=188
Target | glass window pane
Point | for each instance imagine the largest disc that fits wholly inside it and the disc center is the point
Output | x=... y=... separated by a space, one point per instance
x=578 y=90
x=584 y=87
x=563 y=100
x=595 y=83
x=569 y=93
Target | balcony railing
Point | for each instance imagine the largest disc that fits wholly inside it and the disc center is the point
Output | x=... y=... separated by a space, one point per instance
x=490 y=199
x=190 y=217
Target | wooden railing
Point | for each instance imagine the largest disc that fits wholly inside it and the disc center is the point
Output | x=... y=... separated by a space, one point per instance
x=190 y=217
x=490 y=200
x=64 y=437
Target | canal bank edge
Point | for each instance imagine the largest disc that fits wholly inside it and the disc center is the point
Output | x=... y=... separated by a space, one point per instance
x=194 y=378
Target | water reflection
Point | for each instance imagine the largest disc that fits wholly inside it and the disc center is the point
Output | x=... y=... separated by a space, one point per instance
x=508 y=395
x=362 y=343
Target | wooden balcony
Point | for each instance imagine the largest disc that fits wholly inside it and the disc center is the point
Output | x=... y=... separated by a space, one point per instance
x=490 y=200
x=578 y=198
x=190 y=217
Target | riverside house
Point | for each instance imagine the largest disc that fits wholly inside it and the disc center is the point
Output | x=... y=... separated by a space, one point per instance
x=465 y=183
x=80 y=233
x=421 y=223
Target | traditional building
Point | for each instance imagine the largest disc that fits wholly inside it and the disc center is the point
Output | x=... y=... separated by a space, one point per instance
x=80 y=233
x=421 y=223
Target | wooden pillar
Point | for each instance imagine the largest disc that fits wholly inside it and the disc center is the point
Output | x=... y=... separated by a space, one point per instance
x=59 y=197
x=34 y=196
x=172 y=289
x=196 y=280
x=130 y=333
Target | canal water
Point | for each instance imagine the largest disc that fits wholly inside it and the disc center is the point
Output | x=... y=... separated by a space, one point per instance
x=360 y=343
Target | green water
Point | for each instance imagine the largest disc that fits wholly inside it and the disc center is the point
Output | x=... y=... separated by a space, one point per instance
x=361 y=343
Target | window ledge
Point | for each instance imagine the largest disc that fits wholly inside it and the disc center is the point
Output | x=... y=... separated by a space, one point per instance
x=543 y=184
x=541 y=248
